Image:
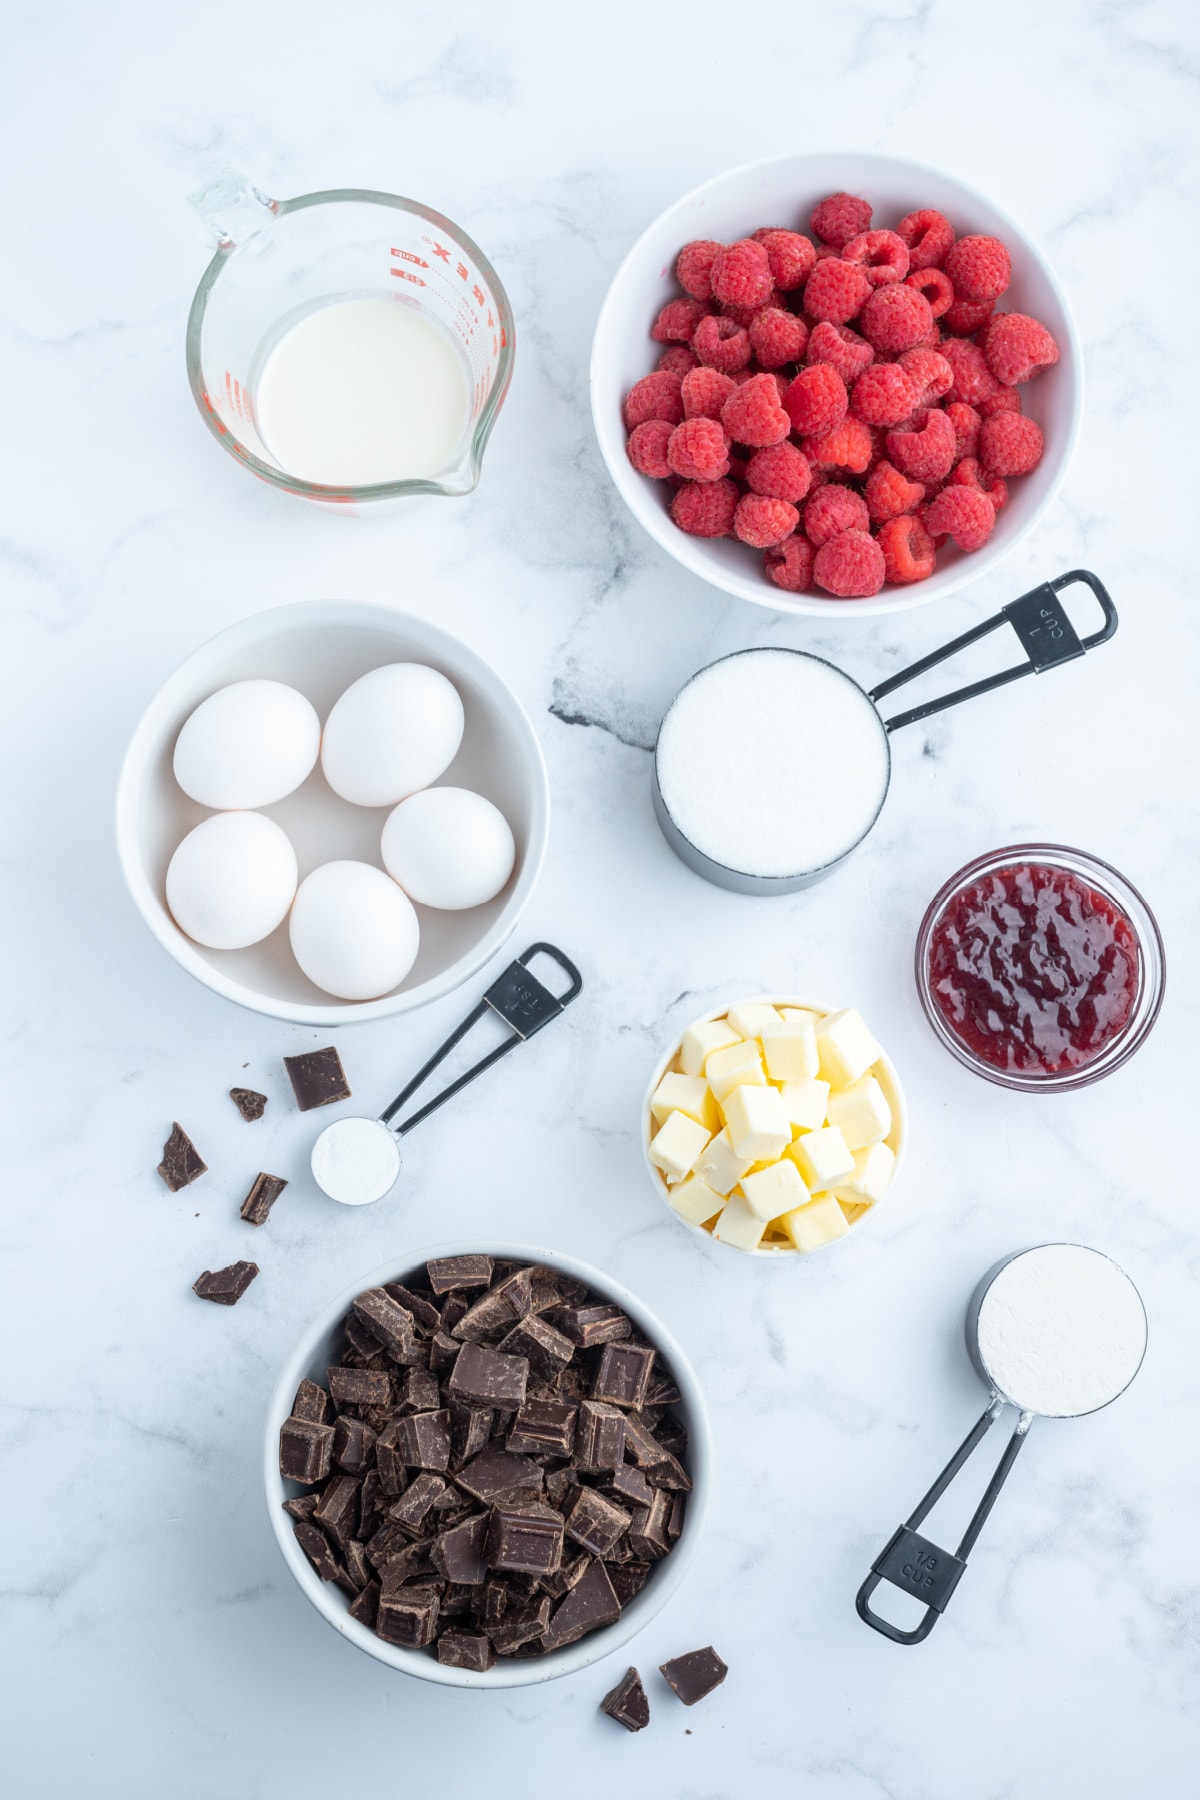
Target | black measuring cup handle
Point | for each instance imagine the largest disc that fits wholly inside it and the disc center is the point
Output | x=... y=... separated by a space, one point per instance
x=1046 y=635
x=922 y=1568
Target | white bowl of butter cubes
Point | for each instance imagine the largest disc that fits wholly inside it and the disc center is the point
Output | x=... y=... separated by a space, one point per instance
x=774 y=1126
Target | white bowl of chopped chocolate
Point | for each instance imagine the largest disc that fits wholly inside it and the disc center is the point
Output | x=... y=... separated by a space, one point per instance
x=487 y=1468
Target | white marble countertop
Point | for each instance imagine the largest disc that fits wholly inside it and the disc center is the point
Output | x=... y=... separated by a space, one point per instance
x=155 y=1642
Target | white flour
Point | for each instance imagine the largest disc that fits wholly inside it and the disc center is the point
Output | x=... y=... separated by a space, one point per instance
x=355 y=1161
x=772 y=763
x=1061 y=1330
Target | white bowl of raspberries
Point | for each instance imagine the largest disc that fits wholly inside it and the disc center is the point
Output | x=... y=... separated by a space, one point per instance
x=834 y=382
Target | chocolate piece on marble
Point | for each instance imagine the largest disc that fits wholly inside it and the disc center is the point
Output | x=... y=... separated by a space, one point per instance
x=225 y=1287
x=251 y=1105
x=627 y=1702
x=410 y=1509
x=408 y=1617
x=264 y=1192
x=181 y=1162
x=303 y=1506
x=305 y=1450
x=648 y=1529
x=547 y=1351
x=623 y=1375
x=357 y=1566
x=423 y=1440
x=526 y=1538
x=521 y=1626
x=311 y=1402
x=353 y=1444
x=497 y=1477
x=599 y=1436
x=443 y=1351
x=693 y=1676
x=595 y=1522
x=488 y=1377
x=544 y=1425
x=590 y=1325
x=337 y=1512
x=419 y=1391
x=590 y=1604
x=360 y=1387
x=629 y=1485
x=445 y=1273
x=628 y=1579
x=466 y=1650
x=319 y=1551
x=470 y=1430
x=388 y=1323
x=366 y=1608
x=317 y=1078
x=425 y=1316
x=458 y=1554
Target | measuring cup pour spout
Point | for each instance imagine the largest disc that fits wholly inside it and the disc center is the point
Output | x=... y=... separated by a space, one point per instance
x=233 y=209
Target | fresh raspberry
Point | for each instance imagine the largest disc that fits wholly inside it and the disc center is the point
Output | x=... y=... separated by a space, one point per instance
x=655 y=396
x=677 y=358
x=839 y=217
x=889 y=494
x=720 y=344
x=909 y=553
x=1018 y=348
x=823 y=250
x=779 y=471
x=836 y=290
x=693 y=267
x=1005 y=399
x=979 y=267
x=850 y=446
x=928 y=234
x=878 y=447
x=929 y=372
x=882 y=256
x=896 y=318
x=968 y=473
x=789 y=564
x=840 y=347
x=742 y=315
x=966 y=316
x=737 y=466
x=816 y=400
x=760 y=521
x=741 y=274
x=831 y=510
x=925 y=453
x=677 y=322
x=883 y=395
x=963 y=513
x=1010 y=444
x=973 y=380
x=699 y=450
x=704 y=392
x=965 y=421
x=937 y=288
x=754 y=414
x=777 y=337
x=705 y=508
x=850 y=566
x=790 y=257
x=647 y=448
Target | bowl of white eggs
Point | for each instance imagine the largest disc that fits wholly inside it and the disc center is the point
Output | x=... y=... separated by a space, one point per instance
x=332 y=812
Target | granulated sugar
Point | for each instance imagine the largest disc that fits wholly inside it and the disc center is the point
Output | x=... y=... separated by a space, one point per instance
x=772 y=762
x=1061 y=1330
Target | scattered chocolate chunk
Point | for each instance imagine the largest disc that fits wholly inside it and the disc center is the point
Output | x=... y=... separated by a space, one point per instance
x=366 y=1608
x=251 y=1105
x=305 y=1450
x=360 y=1387
x=529 y=1538
x=424 y=1440
x=447 y=1272
x=623 y=1376
x=407 y=1617
x=353 y=1444
x=595 y=1522
x=544 y=1425
x=225 y=1286
x=466 y=1650
x=599 y=1436
x=589 y=1325
x=627 y=1702
x=693 y=1676
x=591 y=1603
x=458 y=1554
x=488 y=1377
x=261 y=1198
x=181 y=1161
x=311 y=1402
x=317 y=1078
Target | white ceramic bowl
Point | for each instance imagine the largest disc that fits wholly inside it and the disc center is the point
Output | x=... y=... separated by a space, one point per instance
x=320 y=647
x=897 y=1138
x=783 y=191
x=312 y=1357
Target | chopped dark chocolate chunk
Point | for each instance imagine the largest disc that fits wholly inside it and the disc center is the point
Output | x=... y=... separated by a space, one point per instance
x=495 y=1603
x=588 y=1325
x=181 y=1161
x=628 y=1579
x=627 y=1483
x=595 y=1522
x=416 y=1500
x=370 y=1504
x=305 y=1450
x=425 y=1315
x=448 y=1272
x=225 y=1287
x=693 y=1676
x=599 y=1436
x=669 y=1472
x=311 y=1402
x=488 y=1377
x=527 y=1538
x=251 y=1105
x=642 y=1447
x=364 y=1349
x=261 y=1198
x=423 y=1440
x=672 y=1435
x=388 y=1460
x=443 y=1351
x=419 y=1391
x=496 y=1476
x=517 y=1289
x=360 y=1387
x=303 y=1506
x=544 y=1425
x=402 y=1565
x=388 y=1322
x=353 y=1444
x=663 y=1389
x=627 y=1702
x=458 y=1554
x=454 y=1307
x=338 y=1511
x=648 y=1529
x=490 y=1317
x=366 y=1608
x=470 y=1429
x=521 y=1627
x=675 y=1520
x=560 y=1487
x=317 y=1078
x=590 y=1604
x=317 y=1548
x=357 y=1567
x=546 y=1350
x=466 y=1650
x=408 y=1617
x=624 y=1374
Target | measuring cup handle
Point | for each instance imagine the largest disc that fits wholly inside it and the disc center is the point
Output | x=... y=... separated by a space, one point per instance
x=917 y=1565
x=1046 y=635
x=233 y=209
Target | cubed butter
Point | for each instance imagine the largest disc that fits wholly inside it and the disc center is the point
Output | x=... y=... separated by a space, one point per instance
x=700 y=1042
x=799 y=1015
x=872 y=1173
x=853 y=1209
x=774 y=1190
x=738 y=1065
x=676 y=1145
x=818 y=1223
x=758 y=1124
x=805 y=1103
x=861 y=1113
x=688 y=1094
x=822 y=1157
x=721 y=1166
x=739 y=1225
x=695 y=1201
x=845 y=1047
x=753 y=1018
x=790 y=1051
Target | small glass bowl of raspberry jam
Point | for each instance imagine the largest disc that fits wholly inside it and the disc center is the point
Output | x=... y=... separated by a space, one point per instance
x=1040 y=967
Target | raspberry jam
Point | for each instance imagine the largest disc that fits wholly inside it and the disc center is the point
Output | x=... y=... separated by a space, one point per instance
x=1033 y=970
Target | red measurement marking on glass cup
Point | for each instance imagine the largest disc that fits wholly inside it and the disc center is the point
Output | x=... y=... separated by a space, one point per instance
x=409 y=256
x=407 y=275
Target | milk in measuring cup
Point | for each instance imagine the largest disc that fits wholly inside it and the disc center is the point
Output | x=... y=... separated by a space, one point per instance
x=363 y=391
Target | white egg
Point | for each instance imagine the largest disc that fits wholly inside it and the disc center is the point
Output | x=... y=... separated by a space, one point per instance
x=448 y=848
x=353 y=932
x=247 y=745
x=232 y=880
x=392 y=732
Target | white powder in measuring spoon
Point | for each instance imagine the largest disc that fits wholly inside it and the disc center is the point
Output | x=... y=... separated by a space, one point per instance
x=355 y=1161
x=1061 y=1330
x=772 y=762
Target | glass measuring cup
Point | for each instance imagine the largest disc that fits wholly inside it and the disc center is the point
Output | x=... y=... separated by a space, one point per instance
x=279 y=260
